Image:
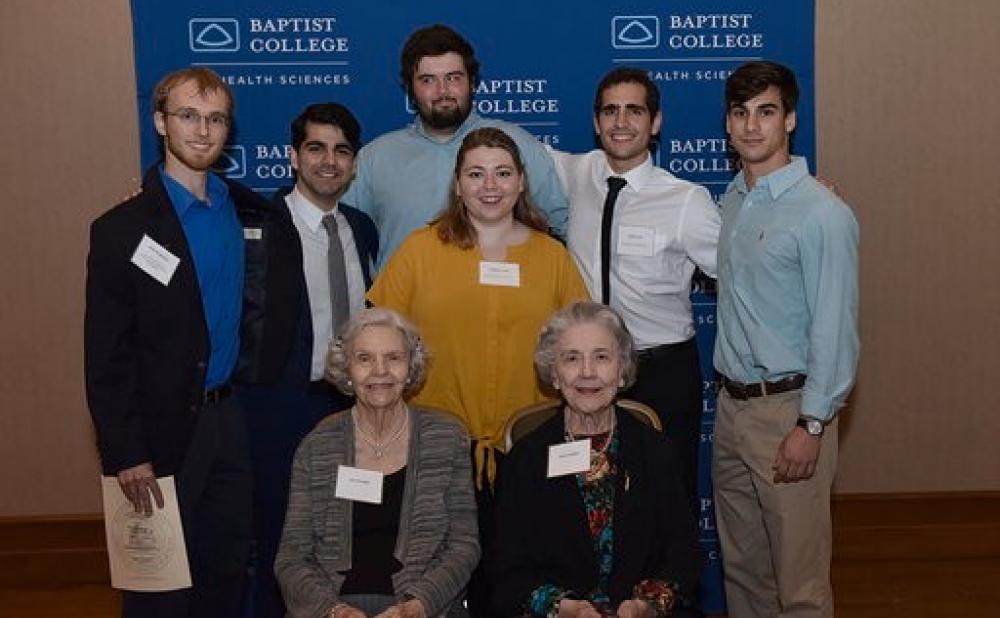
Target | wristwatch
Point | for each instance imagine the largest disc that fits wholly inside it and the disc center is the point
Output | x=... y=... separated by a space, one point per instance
x=812 y=426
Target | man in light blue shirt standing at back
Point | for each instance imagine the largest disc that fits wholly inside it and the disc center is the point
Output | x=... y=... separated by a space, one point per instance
x=786 y=349
x=403 y=177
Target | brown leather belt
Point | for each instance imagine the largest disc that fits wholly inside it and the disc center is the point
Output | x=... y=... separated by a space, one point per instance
x=738 y=390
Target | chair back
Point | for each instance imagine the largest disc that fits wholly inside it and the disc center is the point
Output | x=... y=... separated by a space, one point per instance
x=530 y=418
x=641 y=412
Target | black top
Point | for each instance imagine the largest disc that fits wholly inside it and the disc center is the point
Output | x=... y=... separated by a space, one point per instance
x=542 y=531
x=376 y=527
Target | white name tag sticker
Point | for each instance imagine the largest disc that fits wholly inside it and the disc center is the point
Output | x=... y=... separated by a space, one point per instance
x=505 y=274
x=252 y=233
x=569 y=458
x=154 y=260
x=359 y=485
x=636 y=241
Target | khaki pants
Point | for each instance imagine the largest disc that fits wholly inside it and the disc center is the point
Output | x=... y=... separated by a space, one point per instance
x=775 y=537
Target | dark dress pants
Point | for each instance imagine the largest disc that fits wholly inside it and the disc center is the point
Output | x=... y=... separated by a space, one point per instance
x=478 y=593
x=214 y=486
x=669 y=381
x=279 y=416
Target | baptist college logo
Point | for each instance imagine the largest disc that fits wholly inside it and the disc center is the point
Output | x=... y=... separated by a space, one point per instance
x=232 y=162
x=635 y=32
x=213 y=34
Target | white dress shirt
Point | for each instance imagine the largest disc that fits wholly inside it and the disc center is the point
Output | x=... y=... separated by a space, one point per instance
x=663 y=228
x=308 y=220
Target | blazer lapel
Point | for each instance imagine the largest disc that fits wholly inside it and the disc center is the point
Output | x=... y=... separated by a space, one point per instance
x=165 y=228
x=566 y=498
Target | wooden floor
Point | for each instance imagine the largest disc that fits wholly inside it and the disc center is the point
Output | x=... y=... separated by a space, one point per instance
x=864 y=589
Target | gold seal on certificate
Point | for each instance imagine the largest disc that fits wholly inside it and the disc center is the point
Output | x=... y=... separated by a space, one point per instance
x=146 y=554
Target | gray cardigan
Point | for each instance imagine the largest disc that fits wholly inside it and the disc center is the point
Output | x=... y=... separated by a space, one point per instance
x=438 y=543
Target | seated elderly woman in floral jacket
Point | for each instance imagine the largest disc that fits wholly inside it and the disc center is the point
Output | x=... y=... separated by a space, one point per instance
x=612 y=534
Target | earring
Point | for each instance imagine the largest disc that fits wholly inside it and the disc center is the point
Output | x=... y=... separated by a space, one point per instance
x=350 y=382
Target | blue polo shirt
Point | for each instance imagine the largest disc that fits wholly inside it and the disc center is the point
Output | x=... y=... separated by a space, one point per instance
x=215 y=238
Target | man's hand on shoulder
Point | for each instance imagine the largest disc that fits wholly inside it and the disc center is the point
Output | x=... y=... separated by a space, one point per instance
x=829 y=184
x=796 y=457
x=139 y=485
x=132 y=189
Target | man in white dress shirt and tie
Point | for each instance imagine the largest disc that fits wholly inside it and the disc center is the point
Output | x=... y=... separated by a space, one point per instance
x=638 y=233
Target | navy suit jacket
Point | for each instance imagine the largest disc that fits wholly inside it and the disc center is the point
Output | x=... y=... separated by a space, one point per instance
x=281 y=407
x=366 y=242
x=146 y=344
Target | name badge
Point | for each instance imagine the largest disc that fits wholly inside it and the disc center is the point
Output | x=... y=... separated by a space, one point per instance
x=505 y=274
x=359 y=485
x=252 y=233
x=569 y=458
x=153 y=259
x=634 y=240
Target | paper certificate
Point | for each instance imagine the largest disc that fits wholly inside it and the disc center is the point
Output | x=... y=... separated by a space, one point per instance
x=146 y=554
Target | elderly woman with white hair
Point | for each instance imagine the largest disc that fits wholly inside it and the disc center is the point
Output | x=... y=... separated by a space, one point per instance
x=612 y=534
x=381 y=515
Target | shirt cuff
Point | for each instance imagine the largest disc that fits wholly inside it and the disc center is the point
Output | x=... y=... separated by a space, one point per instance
x=817 y=406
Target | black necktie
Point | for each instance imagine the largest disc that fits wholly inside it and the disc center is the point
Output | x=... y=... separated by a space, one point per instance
x=615 y=185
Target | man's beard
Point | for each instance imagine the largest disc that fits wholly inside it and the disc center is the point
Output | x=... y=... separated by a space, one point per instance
x=446 y=118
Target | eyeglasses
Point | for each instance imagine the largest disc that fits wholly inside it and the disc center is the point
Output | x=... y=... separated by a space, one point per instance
x=191 y=118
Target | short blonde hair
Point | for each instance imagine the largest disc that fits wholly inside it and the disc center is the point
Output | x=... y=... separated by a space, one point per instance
x=583 y=312
x=339 y=357
x=206 y=80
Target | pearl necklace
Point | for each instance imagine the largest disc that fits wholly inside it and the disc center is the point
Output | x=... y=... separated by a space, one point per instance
x=378 y=448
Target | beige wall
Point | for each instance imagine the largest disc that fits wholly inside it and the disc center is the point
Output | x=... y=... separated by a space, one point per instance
x=69 y=147
x=905 y=90
x=906 y=94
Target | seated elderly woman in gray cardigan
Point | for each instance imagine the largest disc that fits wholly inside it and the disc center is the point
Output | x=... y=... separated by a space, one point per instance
x=381 y=516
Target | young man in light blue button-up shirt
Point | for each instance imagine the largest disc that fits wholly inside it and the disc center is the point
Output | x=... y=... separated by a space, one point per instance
x=786 y=349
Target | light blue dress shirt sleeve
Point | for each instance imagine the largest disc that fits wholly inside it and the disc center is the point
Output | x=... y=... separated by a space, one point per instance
x=546 y=188
x=829 y=258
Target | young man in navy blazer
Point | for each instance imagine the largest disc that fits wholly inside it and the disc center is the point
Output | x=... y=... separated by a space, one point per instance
x=325 y=138
x=183 y=284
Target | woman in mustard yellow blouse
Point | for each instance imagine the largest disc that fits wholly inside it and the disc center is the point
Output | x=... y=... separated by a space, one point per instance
x=480 y=282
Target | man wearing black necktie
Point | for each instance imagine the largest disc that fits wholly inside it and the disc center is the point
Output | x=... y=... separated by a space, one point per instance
x=638 y=234
x=335 y=249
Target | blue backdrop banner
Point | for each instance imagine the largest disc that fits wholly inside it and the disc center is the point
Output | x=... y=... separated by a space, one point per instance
x=540 y=64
